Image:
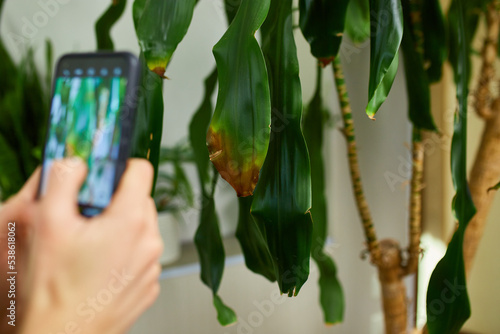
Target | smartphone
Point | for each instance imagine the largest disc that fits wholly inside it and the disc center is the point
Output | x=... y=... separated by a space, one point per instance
x=91 y=116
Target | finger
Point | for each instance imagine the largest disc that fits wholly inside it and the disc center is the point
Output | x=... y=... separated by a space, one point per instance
x=151 y=215
x=18 y=207
x=135 y=184
x=30 y=188
x=65 y=180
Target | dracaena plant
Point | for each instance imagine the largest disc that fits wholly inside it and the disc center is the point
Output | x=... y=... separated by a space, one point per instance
x=267 y=145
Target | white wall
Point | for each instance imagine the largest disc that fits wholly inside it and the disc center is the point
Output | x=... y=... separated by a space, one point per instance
x=184 y=306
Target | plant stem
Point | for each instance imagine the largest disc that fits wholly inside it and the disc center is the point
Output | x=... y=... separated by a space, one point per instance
x=418 y=154
x=362 y=204
x=386 y=254
x=486 y=169
x=415 y=205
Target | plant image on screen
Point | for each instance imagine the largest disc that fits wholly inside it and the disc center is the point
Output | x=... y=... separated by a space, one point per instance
x=83 y=123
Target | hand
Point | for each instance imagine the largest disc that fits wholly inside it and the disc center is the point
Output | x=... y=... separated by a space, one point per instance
x=17 y=214
x=93 y=275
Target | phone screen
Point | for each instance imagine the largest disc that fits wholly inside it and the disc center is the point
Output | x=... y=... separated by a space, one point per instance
x=85 y=121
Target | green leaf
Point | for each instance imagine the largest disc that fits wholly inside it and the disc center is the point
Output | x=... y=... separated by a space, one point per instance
x=417 y=82
x=238 y=136
x=231 y=7
x=322 y=24
x=160 y=28
x=331 y=293
x=386 y=34
x=212 y=250
x=209 y=244
x=198 y=128
x=357 y=22
x=225 y=315
x=257 y=256
x=211 y=253
x=434 y=32
x=137 y=11
x=448 y=305
x=282 y=198
x=473 y=10
x=105 y=23
x=149 y=118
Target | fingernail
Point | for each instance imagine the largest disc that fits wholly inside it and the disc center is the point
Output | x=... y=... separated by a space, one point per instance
x=75 y=161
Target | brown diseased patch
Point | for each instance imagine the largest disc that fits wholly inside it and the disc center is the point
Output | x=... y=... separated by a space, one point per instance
x=242 y=179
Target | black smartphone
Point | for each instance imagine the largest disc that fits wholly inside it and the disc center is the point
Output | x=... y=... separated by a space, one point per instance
x=91 y=116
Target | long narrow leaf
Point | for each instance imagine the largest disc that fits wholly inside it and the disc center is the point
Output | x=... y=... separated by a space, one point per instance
x=448 y=305
x=211 y=253
x=161 y=27
x=331 y=293
x=207 y=239
x=282 y=198
x=472 y=11
x=238 y=136
x=434 y=33
x=254 y=247
x=417 y=82
x=386 y=34
x=322 y=23
x=198 y=129
x=106 y=22
x=357 y=23
x=149 y=118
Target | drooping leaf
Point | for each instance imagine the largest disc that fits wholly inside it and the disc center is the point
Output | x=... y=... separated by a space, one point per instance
x=160 y=28
x=331 y=293
x=322 y=24
x=257 y=256
x=207 y=239
x=448 y=305
x=434 y=34
x=357 y=22
x=225 y=315
x=198 y=129
x=211 y=253
x=238 y=135
x=106 y=22
x=282 y=198
x=387 y=31
x=149 y=118
x=417 y=82
x=472 y=12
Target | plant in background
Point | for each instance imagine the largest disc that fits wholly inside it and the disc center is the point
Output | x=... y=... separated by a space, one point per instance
x=255 y=135
x=24 y=108
x=173 y=192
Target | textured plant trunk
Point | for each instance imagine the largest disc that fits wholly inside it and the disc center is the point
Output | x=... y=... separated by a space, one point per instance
x=485 y=174
x=393 y=289
x=486 y=169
